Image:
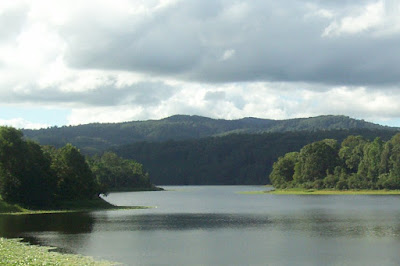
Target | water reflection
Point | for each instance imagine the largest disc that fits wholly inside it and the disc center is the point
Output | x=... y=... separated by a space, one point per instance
x=64 y=223
x=174 y=222
x=313 y=223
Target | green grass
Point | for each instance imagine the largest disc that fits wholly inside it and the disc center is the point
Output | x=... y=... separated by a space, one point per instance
x=10 y=208
x=302 y=191
x=297 y=191
x=65 y=206
x=15 y=252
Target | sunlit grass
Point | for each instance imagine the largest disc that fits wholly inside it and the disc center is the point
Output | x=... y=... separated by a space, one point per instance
x=15 y=252
x=332 y=192
x=301 y=191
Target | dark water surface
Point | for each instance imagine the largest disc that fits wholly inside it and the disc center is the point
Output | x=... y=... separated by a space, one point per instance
x=215 y=225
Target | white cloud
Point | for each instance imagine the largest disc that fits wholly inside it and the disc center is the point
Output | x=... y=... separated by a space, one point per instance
x=377 y=18
x=22 y=123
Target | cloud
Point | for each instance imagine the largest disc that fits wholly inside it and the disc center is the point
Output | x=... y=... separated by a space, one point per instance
x=135 y=59
x=214 y=96
x=264 y=100
x=263 y=40
x=22 y=123
x=108 y=93
x=372 y=15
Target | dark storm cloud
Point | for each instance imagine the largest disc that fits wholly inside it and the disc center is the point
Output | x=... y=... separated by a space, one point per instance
x=265 y=41
x=139 y=94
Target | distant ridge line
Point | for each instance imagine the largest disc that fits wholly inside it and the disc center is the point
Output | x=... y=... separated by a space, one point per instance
x=95 y=137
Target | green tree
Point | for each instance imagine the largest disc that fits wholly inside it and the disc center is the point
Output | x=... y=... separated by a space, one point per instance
x=283 y=170
x=352 y=151
x=315 y=161
x=75 y=180
x=12 y=163
x=369 y=167
x=114 y=172
x=394 y=161
x=25 y=174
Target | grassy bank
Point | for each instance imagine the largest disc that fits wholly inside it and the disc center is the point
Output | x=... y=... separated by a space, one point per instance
x=297 y=191
x=127 y=189
x=301 y=191
x=65 y=206
x=15 y=252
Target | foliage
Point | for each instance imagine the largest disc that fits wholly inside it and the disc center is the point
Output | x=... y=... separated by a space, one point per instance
x=315 y=161
x=75 y=180
x=358 y=164
x=40 y=177
x=114 y=172
x=36 y=177
x=236 y=159
x=25 y=174
x=283 y=170
x=95 y=138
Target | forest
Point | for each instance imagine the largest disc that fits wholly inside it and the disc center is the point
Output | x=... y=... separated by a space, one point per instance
x=235 y=159
x=98 y=137
x=43 y=176
x=355 y=163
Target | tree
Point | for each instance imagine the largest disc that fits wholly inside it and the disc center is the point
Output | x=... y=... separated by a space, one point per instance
x=369 y=167
x=75 y=180
x=352 y=151
x=394 y=161
x=114 y=172
x=12 y=163
x=38 y=186
x=315 y=161
x=25 y=174
x=283 y=170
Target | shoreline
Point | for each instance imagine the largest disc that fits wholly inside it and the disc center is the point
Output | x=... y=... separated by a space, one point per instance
x=331 y=192
x=98 y=204
x=301 y=191
x=15 y=252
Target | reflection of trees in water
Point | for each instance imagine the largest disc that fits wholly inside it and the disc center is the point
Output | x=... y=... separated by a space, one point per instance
x=186 y=221
x=65 y=223
x=49 y=229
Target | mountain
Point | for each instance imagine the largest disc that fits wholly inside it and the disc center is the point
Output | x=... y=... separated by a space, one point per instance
x=96 y=137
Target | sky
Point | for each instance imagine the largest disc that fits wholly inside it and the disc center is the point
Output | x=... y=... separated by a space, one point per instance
x=77 y=62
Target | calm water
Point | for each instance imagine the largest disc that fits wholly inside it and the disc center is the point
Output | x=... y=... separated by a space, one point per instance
x=213 y=225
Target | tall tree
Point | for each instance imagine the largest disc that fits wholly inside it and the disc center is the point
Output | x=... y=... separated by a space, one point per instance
x=315 y=161
x=352 y=151
x=75 y=179
x=25 y=174
x=114 y=172
x=283 y=170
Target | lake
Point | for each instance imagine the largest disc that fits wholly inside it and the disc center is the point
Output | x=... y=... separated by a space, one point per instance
x=216 y=225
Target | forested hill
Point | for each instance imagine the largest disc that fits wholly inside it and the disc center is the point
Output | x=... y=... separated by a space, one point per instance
x=227 y=160
x=92 y=138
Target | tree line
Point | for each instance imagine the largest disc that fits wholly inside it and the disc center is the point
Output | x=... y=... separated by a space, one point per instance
x=355 y=163
x=97 y=137
x=235 y=159
x=42 y=176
